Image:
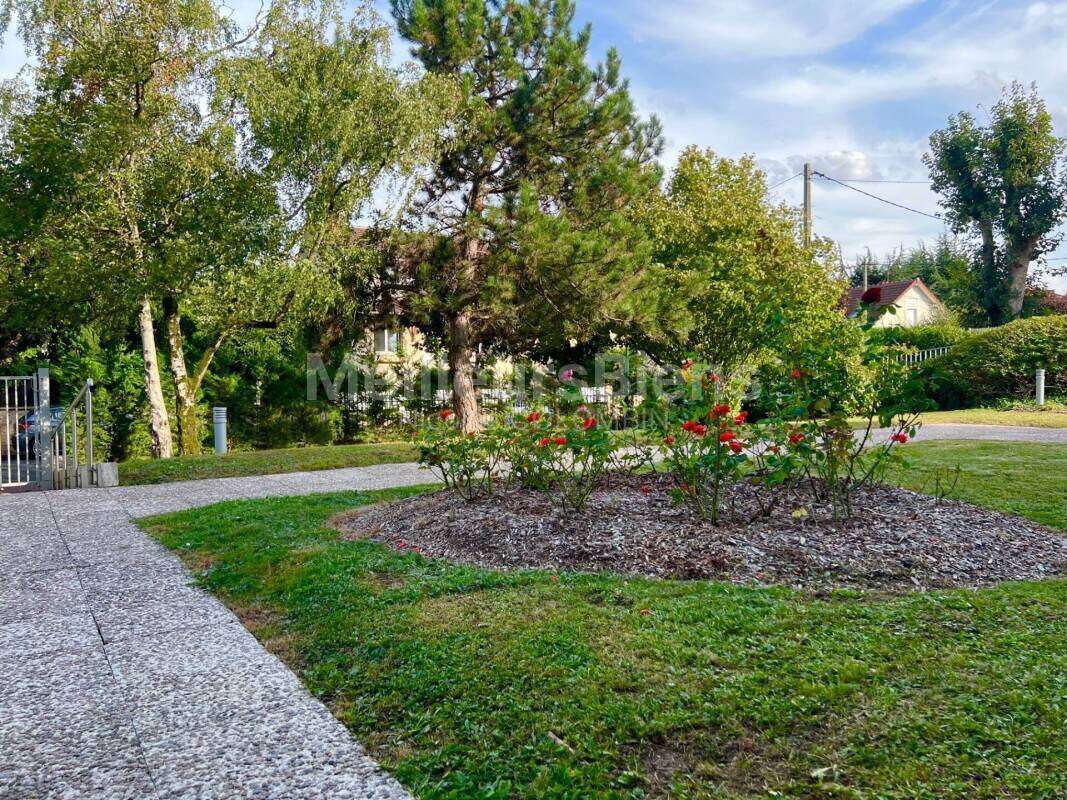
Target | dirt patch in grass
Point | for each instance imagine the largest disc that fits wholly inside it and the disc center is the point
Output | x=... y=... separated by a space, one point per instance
x=897 y=541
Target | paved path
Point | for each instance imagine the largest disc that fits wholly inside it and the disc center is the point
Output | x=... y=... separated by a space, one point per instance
x=1003 y=433
x=119 y=680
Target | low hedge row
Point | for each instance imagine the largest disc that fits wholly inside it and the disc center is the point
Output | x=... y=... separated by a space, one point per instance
x=999 y=363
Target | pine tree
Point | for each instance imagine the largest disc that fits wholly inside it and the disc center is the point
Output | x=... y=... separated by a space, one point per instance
x=528 y=214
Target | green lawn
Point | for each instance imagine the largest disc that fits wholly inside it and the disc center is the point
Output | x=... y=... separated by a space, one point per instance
x=469 y=683
x=263 y=462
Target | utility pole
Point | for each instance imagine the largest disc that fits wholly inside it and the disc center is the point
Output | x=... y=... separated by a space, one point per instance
x=807 y=205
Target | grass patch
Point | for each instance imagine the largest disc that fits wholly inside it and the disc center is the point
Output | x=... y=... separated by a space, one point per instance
x=263 y=462
x=1022 y=478
x=469 y=683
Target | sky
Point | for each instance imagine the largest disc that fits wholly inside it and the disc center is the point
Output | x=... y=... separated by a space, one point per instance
x=853 y=86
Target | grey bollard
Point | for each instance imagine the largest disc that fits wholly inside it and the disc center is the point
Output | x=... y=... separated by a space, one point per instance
x=1040 y=381
x=107 y=474
x=218 y=413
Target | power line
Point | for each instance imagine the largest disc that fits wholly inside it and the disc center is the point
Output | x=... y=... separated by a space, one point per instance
x=783 y=183
x=880 y=199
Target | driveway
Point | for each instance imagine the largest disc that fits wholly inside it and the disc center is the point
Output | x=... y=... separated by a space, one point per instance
x=1001 y=433
x=122 y=681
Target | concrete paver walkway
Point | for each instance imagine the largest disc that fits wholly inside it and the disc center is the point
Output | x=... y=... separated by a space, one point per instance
x=119 y=680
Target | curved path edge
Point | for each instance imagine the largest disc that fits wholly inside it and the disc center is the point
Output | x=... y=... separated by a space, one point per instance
x=121 y=680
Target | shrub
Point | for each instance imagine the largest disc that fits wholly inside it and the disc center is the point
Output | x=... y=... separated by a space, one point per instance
x=925 y=337
x=1000 y=363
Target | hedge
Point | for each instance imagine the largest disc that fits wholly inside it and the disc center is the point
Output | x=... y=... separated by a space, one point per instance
x=1000 y=363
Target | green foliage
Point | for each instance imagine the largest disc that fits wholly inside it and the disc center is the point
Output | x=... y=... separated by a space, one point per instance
x=1005 y=182
x=1000 y=363
x=527 y=228
x=736 y=285
x=924 y=337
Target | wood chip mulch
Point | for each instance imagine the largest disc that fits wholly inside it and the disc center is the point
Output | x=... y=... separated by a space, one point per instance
x=896 y=541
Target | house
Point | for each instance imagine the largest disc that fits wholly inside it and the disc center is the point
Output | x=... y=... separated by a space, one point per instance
x=898 y=303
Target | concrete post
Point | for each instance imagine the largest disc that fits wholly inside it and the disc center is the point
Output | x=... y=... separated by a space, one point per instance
x=218 y=414
x=45 y=475
x=1040 y=386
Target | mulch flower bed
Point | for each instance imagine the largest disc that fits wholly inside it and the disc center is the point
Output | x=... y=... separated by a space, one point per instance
x=897 y=540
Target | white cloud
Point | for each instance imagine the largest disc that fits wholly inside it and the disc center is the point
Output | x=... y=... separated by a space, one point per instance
x=758 y=28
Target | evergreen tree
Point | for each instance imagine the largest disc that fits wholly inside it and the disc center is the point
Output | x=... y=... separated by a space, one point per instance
x=529 y=237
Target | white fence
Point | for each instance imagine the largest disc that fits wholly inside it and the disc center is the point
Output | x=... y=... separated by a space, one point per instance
x=923 y=355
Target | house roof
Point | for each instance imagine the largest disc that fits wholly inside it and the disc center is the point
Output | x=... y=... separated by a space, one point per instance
x=891 y=292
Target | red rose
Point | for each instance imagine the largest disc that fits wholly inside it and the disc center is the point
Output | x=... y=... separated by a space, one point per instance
x=689 y=426
x=447 y=414
x=794 y=438
x=687 y=364
x=737 y=447
x=534 y=416
x=713 y=377
x=796 y=374
x=545 y=442
x=872 y=295
x=589 y=424
x=668 y=439
x=699 y=430
x=900 y=437
x=727 y=436
x=720 y=410
x=560 y=440
x=741 y=418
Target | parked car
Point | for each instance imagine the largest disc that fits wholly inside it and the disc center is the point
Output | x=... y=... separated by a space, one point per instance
x=26 y=438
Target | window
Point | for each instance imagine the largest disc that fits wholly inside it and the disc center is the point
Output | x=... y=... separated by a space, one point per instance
x=386 y=340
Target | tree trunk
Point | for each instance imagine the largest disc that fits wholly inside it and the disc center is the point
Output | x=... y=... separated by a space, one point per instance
x=158 y=421
x=1018 y=271
x=992 y=284
x=184 y=393
x=461 y=364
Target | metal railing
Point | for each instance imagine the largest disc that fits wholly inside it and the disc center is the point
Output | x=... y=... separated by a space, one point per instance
x=68 y=469
x=18 y=403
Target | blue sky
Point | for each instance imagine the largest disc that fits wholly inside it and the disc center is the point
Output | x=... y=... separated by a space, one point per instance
x=854 y=86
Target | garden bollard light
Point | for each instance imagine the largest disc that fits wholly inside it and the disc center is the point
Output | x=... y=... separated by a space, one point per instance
x=219 y=415
x=1040 y=380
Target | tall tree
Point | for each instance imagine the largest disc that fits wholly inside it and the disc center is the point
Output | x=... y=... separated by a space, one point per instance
x=176 y=164
x=1007 y=182
x=528 y=229
x=737 y=283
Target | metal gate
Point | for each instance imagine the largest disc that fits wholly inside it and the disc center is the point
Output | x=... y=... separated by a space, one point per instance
x=19 y=430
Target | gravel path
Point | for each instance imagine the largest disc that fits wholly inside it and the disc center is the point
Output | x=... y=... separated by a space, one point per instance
x=992 y=433
x=119 y=680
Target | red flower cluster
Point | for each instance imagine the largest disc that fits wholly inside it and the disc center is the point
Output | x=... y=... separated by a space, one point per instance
x=589 y=424
x=796 y=374
x=669 y=439
x=901 y=438
x=719 y=410
x=736 y=446
x=727 y=436
x=796 y=438
x=687 y=364
x=560 y=440
x=447 y=414
x=695 y=428
x=741 y=418
x=534 y=416
x=872 y=295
